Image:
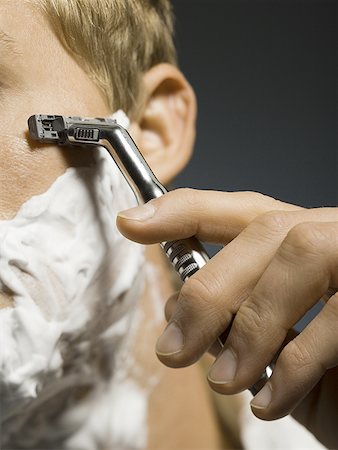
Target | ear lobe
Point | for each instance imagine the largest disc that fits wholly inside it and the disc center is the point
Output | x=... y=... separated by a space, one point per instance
x=167 y=121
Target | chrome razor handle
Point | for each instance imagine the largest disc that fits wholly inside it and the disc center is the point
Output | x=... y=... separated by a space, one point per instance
x=187 y=256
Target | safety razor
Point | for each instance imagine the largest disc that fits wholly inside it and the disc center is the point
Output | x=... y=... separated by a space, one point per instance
x=186 y=255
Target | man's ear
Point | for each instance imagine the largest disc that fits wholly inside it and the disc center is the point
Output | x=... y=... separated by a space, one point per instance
x=165 y=127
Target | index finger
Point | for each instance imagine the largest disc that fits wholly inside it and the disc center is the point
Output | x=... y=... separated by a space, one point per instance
x=211 y=216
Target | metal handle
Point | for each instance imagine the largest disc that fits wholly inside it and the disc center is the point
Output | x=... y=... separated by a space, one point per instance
x=186 y=255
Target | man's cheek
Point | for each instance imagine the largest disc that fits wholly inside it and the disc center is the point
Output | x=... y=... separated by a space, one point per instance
x=28 y=170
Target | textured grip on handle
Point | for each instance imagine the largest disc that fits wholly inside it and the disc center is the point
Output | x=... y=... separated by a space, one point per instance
x=186 y=255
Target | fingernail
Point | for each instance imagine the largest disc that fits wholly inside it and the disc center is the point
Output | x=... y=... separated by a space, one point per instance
x=171 y=341
x=224 y=369
x=263 y=398
x=140 y=213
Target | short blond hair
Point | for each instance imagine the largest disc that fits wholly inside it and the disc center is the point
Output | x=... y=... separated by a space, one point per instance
x=115 y=41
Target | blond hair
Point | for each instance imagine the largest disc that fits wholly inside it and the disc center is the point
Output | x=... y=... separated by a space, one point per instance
x=115 y=41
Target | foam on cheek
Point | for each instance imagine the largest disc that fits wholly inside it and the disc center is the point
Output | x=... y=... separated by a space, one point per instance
x=75 y=282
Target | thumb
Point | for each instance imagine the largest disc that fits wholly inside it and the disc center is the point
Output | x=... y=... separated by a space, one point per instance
x=211 y=216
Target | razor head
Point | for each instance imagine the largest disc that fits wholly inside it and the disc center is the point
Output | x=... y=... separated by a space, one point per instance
x=47 y=128
x=58 y=129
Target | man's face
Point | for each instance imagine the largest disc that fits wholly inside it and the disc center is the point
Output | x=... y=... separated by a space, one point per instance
x=74 y=280
x=69 y=278
x=37 y=75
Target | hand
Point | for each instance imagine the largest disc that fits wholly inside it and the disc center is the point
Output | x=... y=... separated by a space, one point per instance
x=278 y=260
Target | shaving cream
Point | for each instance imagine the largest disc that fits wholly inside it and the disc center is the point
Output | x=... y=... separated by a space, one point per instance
x=65 y=361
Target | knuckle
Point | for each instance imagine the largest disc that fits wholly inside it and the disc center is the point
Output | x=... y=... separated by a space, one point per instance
x=199 y=313
x=198 y=295
x=304 y=238
x=197 y=292
x=255 y=198
x=272 y=221
x=182 y=211
x=192 y=300
x=248 y=322
x=295 y=356
x=179 y=197
x=188 y=196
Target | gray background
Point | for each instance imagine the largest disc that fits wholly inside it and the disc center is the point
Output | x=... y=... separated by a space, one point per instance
x=265 y=75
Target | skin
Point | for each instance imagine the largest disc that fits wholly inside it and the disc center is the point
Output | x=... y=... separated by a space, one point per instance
x=28 y=168
x=32 y=83
x=278 y=260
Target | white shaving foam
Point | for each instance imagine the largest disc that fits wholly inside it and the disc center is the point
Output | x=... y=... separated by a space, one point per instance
x=65 y=358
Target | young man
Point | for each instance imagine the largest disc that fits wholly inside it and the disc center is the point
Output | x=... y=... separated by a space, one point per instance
x=80 y=307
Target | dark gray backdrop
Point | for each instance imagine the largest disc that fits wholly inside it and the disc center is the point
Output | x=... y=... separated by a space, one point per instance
x=265 y=74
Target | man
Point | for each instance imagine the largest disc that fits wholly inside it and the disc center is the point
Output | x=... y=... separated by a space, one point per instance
x=79 y=303
x=81 y=306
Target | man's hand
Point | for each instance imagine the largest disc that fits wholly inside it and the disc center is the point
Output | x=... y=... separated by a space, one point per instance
x=279 y=259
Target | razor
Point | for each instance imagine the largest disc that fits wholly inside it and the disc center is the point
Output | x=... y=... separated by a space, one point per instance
x=186 y=255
